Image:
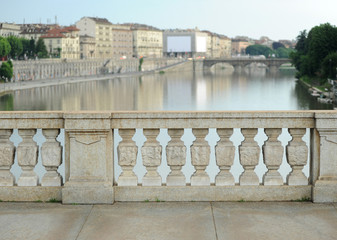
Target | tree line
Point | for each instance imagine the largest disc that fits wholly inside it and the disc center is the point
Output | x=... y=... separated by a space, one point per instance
x=315 y=57
x=278 y=50
x=20 y=48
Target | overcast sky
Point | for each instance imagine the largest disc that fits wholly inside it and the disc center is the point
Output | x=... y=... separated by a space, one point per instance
x=277 y=19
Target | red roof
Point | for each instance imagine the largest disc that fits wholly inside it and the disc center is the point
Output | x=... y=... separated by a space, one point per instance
x=59 y=33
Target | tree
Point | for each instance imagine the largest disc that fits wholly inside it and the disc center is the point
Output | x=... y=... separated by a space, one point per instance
x=259 y=50
x=282 y=52
x=6 y=71
x=5 y=47
x=329 y=65
x=41 y=49
x=16 y=46
x=277 y=45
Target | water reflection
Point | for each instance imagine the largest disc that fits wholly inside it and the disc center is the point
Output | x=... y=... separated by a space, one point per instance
x=221 y=89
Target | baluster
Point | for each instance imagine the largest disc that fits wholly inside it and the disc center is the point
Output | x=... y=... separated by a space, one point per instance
x=224 y=153
x=7 y=151
x=297 y=155
x=273 y=154
x=51 y=153
x=27 y=153
x=176 y=158
x=151 y=154
x=127 y=157
x=200 y=154
x=249 y=157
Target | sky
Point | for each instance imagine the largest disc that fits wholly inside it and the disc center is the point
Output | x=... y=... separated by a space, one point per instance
x=277 y=19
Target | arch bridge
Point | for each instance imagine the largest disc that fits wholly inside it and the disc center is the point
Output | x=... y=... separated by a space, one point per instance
x=236 y=62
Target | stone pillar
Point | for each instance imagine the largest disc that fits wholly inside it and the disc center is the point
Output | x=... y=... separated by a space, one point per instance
x=273 y=155
x=325 y=188
x=7 y=151
x=200 y=154
x=89 y=159
x=51 y=153
x=27 y=154
x=297 y=156
x=151 y=155
x=224 y=153
x=127 y=157
x=176 y=158
x=249 y=152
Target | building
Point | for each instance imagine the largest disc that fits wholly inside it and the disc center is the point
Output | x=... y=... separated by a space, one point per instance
x=35 y=31
x=147 y=40
x=218 y=46
x=186 y=43
x=63 y=42
x=122 y=41
x=101 y=30
x=87 y=47
x=239 y=46
x=9 y=29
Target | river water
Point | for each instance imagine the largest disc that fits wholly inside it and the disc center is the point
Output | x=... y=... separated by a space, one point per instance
x=221 y=89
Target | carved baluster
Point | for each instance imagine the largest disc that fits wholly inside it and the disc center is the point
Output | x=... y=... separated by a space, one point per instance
x=127 y=157
x=297 y=155
x=51 y=153
x=249 y=157
x=7 y=151
x=176 y=158
x=27 y=153
x=151 y=154
x=273 y=155
x=224 y=153
x=200 y=154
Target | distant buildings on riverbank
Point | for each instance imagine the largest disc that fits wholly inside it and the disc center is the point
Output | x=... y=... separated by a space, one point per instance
x=93 y=37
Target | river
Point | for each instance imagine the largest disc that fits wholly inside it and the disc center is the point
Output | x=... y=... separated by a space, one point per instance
x=221 y=89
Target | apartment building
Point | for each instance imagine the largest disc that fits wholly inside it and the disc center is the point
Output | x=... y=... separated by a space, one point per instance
x=9 y=29
x=101 y=30
x=122 y=41
x=63 y=42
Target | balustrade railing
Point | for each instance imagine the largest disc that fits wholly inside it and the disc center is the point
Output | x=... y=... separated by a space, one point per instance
x=91 y=137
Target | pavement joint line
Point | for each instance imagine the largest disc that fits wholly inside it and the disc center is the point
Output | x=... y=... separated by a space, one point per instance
x=216 y=232
x=85 y=221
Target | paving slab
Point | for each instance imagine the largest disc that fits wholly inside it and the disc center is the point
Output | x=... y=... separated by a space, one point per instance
x=52 y=221
x=271 y=221
x=150 y=220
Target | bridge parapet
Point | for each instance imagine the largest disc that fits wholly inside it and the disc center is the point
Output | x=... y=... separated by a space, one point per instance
x=270 y=62
x=220 y=141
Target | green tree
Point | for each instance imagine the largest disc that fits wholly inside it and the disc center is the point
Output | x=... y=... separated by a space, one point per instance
x=6 y=71
x=282 y=52
x=5 y=47
x=41 y=49
x=277 y=45
x=329 y=66
x=16 y=46
x=259 y=50
x=32 y=47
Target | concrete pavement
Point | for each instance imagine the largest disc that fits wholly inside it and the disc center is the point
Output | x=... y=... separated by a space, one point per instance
x=169 y=220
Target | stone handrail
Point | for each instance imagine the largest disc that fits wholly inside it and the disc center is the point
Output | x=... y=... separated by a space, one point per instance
x=90 y=143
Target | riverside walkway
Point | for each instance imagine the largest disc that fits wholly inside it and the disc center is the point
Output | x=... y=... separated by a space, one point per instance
x=169 y=221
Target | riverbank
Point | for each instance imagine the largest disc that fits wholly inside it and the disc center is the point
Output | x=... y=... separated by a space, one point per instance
x=6 y=88
x=322 y=96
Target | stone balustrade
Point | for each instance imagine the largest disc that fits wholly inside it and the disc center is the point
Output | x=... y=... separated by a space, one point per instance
x=97 y=144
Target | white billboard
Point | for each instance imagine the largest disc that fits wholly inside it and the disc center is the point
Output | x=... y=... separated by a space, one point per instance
x=201 y=44
x=179 y=44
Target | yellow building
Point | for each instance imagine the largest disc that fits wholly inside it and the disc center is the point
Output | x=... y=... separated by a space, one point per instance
x=147 y=41
x=101 y=30
x=63 y=42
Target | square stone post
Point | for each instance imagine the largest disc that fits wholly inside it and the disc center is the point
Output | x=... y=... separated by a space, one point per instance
x=325 y=188
x=88 y=159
